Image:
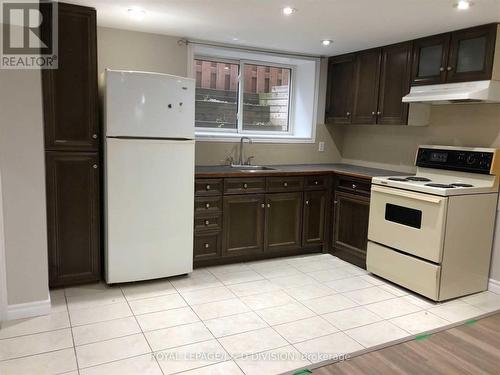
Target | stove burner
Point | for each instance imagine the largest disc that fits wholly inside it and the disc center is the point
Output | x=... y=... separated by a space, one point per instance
x=419 y=179
x=402 y=179
x=462 y=185
x=442 y=186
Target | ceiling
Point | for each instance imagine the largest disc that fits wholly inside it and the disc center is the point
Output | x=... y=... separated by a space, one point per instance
x=351 y=24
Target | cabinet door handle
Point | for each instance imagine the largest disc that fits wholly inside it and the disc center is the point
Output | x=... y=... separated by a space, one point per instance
x=335 y=202
x=207 y=222
x=94 y=166
x=207 y=187
x=354 y=186
x=449 y=68
x=207 y=246
x=316 y=182
x=245 y=186
x=263 y=205
x=94 y=136
x=441 y=69
x=207 y=206
x=307 y=202
x=379 y=113
x=348 y=114
x=374 y=113
x=269 y=205
x=285 y=184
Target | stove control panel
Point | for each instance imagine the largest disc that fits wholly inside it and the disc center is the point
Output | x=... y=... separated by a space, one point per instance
x=456 y=159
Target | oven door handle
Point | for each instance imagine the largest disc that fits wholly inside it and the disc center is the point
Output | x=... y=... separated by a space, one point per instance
x=407 y=194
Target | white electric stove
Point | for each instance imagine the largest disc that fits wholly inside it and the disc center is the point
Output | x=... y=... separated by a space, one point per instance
x=433 y=232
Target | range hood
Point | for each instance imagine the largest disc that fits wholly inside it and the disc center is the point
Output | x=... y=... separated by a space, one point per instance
x=455 y=93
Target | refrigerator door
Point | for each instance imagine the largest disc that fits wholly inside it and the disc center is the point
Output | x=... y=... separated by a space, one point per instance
x=148 y=105
x=149 y=208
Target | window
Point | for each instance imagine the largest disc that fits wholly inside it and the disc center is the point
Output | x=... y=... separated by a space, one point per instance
x=266 y=94
x=268 y=97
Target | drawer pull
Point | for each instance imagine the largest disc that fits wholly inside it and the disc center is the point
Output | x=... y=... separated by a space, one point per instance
x=285 y=184
x=207 y=222
x=335 y=202
x=94 y=136
x=94 y=166
x=354 y=186
x=207 y=187
x=245 y=186
x=263 y=205
x=269 y=205
x=307 y=202
x=207 y=246
x=207 y=206
x=316 y=182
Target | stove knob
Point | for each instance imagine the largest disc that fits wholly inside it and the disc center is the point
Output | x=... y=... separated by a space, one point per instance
x=471 y=159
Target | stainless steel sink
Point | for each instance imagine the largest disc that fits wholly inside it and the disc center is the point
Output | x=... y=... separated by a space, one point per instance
x=252 y=168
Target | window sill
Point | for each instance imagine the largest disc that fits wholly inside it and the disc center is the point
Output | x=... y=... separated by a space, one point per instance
x=256 y=138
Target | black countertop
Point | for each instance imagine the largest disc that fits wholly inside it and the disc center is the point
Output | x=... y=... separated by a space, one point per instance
x=297 y=169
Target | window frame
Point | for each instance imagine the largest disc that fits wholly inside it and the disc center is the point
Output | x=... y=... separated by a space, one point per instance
x=204 y=132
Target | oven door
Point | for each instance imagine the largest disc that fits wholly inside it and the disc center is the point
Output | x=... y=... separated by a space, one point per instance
x=411 y=222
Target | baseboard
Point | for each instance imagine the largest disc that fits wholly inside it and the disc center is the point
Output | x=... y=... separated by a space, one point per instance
x=494 y=286
x=28 y=310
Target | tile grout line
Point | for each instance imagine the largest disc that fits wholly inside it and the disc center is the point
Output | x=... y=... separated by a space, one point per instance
x=72 y=336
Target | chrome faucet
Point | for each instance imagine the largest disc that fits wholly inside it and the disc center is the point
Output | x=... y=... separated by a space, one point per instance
x=240 y=160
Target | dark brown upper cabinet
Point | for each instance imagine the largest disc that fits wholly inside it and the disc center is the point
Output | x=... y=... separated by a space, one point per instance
x=463 y=55
x=73 y=217
x=70 y=92
x=367 y=78
x=340 y=89
x=283 y=221
x=243 y=224
x=314 y=218
x=395 y=72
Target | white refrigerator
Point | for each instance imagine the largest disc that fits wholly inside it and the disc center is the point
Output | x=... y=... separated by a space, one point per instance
x=149 y=175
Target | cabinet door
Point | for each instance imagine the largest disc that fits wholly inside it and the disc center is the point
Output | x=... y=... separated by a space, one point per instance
x=350 y=227
x=394 y=84
x=366 y=87
x=243 y=224
x=283 y=221
x=313 y=227
x=73 y=219
x=471 y=54
x=430 y=56
x=70 y=92
x=340 y=90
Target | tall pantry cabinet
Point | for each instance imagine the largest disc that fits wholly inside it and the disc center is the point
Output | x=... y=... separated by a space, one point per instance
x=72 y=151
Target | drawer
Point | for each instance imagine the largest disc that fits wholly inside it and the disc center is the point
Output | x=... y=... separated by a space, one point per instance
x=208 y=186
x=207 y=245
x=279 y=184
x=207 y=205
x=412 y=273
x=353 y=185
x=207 y=222
x=244 y=185
x=319 y=182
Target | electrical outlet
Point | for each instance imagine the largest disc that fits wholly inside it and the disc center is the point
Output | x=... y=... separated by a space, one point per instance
x=321 y=146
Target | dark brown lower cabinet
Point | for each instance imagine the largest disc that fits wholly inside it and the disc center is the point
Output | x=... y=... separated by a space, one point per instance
x=283 y=221
x=73 y=217
x=350 y=227
x=243 y=224
x=314 y=218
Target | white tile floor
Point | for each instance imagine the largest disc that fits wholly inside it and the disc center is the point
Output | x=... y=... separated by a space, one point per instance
x=266 y=317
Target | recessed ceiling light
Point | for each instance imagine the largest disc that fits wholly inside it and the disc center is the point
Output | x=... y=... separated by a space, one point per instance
x=136 y=13
x=326 y=42
x=463 y=4
x=288 y=11
x=235 y=39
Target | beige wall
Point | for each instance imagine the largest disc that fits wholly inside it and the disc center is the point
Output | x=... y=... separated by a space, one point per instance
x=119 y=49
x=23 y=185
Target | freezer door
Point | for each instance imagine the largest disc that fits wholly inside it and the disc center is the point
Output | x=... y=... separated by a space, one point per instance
x=140 y=104
x=149 y=209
